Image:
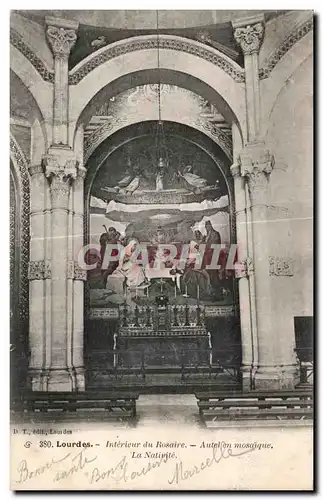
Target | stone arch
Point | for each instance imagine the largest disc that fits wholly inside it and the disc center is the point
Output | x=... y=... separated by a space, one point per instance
x=22 y=100
x=42 y=91
x=284 y=69
x=139 y=109
x=179 y=59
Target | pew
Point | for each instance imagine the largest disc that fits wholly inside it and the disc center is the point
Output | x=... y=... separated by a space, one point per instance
x=266 y=405
x=113 y=404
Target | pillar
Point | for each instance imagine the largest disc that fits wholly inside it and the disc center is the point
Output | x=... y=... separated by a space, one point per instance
x=39 y=271
x=243 y=273
x=249 y=33
x=61 y=35
x=256 y=164
x=61 y=170
x=79 y=275
x=64 y=333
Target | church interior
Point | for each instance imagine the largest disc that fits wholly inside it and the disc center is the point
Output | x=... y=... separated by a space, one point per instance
x=161 y=209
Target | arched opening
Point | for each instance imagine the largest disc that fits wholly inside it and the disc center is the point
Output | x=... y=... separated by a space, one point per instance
x=191 y=206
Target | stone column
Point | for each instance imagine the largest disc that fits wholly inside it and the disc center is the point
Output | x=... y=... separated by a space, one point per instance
x=38 y=271
x=249 y=33
x=61 y=169
x=79 y=276
x=256 y=166
x=61 y=35
x=243 y=271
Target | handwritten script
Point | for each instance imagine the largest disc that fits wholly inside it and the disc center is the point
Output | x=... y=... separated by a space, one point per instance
x=74 y=464
x=122 y=472
x=219 y=453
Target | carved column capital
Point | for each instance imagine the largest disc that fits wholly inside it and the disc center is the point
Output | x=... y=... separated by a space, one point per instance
x=256 y=165
x=61 y=167
x=249 y=37
x=62 y=35
x=39 y=270
x=75 y=272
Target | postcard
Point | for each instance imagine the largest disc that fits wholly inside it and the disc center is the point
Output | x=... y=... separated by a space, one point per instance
x=161 y=250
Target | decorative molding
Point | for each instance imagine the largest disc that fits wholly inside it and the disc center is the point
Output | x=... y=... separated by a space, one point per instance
x=23 y=188
x=75 y=272
x=250 y=38
x=39 y=270
x=144 y=43
x=244 y=269
x=281 y=266
x=297 y=34
x=18 y=42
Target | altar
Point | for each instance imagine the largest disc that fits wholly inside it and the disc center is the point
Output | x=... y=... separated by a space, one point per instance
x=163 y=335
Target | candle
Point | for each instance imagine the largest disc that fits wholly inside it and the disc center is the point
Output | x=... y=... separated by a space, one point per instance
x=185 y=289
x=136 y=292
x=147 y=292
x=175 y=291
x=198 y=292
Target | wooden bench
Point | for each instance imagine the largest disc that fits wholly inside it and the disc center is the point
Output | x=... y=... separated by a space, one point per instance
x=112 y=404
x=277 y=405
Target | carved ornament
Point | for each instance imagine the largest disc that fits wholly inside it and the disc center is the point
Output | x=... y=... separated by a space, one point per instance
x=250 y=38
x=75 y=272
x=39 y=270
x=280 y=266
x=61 y=40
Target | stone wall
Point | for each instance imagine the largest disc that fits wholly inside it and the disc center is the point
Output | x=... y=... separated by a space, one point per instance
x=290 y=139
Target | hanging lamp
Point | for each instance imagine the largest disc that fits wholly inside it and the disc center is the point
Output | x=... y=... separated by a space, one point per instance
x=161 y=149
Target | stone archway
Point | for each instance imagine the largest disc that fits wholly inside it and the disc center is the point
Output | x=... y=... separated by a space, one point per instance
x=230 y=323
x=19 y=261
x=129 y=63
